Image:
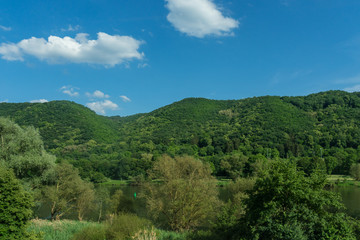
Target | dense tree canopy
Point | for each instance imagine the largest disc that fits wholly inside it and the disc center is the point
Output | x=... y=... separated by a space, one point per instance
x=186 y=196
x=284 y=204
x=15 y=206
x=22 y=150
x=319 y=129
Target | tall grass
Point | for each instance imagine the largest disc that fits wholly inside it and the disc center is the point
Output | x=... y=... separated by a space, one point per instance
x=59 y=230
x=68 y=230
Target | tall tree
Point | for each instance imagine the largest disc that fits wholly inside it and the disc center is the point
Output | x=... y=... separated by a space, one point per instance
x=15 y=206
x=22 y=150
x=68 y=193
x=187 y=194
x=284 y=204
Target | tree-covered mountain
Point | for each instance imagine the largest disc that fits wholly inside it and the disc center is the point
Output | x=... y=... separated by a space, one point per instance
x=62 y=123
x=234 y=136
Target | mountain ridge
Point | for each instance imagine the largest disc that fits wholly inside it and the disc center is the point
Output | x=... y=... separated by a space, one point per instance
x=297 y=127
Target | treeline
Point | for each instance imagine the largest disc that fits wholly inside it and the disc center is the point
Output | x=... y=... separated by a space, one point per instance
x=234 y=136
x=180 y=193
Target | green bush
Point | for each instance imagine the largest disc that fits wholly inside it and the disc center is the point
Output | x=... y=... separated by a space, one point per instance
x=167 y=235
x=91 y=233
x=60 y=230
x=15 y=206
x=124 y=226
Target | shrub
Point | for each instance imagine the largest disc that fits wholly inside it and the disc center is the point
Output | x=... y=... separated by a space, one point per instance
x=145 y=234
x=125 y=225
x=355 y=171
x=91 y=233
x=15 y=206
x=187 y=196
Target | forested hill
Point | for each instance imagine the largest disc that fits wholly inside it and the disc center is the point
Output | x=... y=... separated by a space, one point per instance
x=318 y=129
x=62 y=123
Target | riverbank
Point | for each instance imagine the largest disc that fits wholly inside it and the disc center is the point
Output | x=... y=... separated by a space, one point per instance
x=66 y=230
x=343 y=180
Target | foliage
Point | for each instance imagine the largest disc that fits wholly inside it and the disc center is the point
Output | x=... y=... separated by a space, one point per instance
x=69 y=192
x=91 y=233
x=120 y=203
x=233 y=209
x=355 y=171
x=145 y=234
x=22 y=150
x=125 y=225
x=284 y=204
x=15 y=207
x=60 y=230
x=186 y=196
x=102 y=201
x=318 y=130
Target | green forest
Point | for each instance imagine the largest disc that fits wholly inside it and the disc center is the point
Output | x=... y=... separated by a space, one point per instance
x=233 y=136
x=255 y=168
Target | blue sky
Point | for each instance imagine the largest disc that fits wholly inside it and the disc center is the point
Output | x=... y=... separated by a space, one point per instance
x=121 y=57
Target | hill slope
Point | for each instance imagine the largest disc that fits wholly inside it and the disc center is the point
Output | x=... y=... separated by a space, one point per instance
x=61 y=123
x=306 y=128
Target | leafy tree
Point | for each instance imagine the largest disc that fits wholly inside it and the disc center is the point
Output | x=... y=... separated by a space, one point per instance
x=355 y=171
x=69 y=192
x=15 y=206
x=84 y=199
x=187 y=194
x=22 y=150
x=102 y=199
x=284 y=204
x=120 y=203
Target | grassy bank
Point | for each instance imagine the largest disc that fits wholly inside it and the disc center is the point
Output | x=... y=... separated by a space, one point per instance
x=343 y=180
x=58 y=230
x=66 y=229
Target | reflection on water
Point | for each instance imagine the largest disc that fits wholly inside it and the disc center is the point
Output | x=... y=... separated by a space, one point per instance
x=351 y=199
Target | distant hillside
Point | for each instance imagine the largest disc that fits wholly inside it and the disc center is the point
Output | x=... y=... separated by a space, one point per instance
x=62 y=123
x=320 y=129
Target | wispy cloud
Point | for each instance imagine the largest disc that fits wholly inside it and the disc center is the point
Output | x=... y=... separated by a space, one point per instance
x=101 y=107
x=5 y=28
x=4 y=101
x=199 y=18
x=108 y=50
x=125 y=98
x=97 y=94
x=355 y=88
x=348 y=80
x=289 y=76
x=286 y=2
x=143 y=65
x=39 y=101
x=71 y=28
x=69 y=90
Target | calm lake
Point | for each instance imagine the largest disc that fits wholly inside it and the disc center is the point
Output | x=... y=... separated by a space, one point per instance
x=351 y=199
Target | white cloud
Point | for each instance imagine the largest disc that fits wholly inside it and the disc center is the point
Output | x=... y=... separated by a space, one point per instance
x=97 y=94
x=69 y=91
x=355 y=88
x=143 y=65
x=105 y=50
x=101 y=106
x=353 y=79
x=11 y=52
x=199 y=18
x=286 y=2
x=5 y=28
x=71 y=28
x=39 y=101
x=4 y=101
x=125 y=98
